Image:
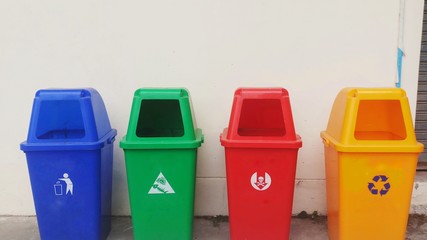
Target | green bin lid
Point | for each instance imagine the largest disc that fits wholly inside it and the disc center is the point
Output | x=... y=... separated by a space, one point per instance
x=161 y=118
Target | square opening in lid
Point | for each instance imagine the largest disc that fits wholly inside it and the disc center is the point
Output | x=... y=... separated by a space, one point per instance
x=380 y=120
x=160 y=118
x=60 y=119
x=261 y=117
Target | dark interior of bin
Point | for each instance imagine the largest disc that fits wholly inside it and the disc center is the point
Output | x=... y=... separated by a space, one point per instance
x=261 y=117
x=160 y=118
x=60 y=119
x=380 y=120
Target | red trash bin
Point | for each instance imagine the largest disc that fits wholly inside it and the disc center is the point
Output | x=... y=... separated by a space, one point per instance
x=261 y=150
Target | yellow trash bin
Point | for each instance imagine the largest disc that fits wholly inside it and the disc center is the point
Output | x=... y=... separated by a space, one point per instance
x=370 y=157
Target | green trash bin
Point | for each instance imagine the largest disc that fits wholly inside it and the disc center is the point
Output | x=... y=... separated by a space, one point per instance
x=160 y=153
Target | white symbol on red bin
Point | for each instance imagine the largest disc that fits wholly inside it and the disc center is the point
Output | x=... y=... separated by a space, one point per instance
x=260 y=182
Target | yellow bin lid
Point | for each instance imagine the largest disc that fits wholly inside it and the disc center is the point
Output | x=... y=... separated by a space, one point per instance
x=371 y=120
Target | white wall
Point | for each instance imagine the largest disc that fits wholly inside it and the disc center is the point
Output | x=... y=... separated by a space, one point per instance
x=312 y=48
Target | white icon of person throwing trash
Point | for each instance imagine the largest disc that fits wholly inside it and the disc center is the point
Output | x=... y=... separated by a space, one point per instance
x=69 y=183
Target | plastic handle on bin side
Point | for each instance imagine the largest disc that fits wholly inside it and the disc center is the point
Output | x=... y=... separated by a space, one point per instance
x=326 y=142
x=111 y=139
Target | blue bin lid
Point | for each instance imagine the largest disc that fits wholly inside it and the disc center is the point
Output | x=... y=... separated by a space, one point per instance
x=68 y=119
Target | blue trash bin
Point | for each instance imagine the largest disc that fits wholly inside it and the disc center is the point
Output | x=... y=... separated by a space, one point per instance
x=69 y=152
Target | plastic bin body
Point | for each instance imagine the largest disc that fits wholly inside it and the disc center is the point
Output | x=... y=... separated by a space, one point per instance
x=260 y=142
x=370 y=157
x=69 y=154
x=161 y=152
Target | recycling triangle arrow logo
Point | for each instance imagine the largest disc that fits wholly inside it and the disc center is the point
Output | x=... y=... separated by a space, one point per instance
x=379 y=185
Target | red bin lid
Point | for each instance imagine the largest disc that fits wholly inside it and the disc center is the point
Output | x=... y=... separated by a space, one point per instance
x=261 y=118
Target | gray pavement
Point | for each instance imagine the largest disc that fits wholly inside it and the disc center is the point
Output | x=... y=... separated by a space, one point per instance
x=304 y=227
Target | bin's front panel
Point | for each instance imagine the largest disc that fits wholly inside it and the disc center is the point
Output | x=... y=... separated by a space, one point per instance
x=260 y=185
x=67 y=188
x=374 y=194
x=161 y=188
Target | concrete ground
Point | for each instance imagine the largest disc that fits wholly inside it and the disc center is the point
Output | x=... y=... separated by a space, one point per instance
x=304 y=227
